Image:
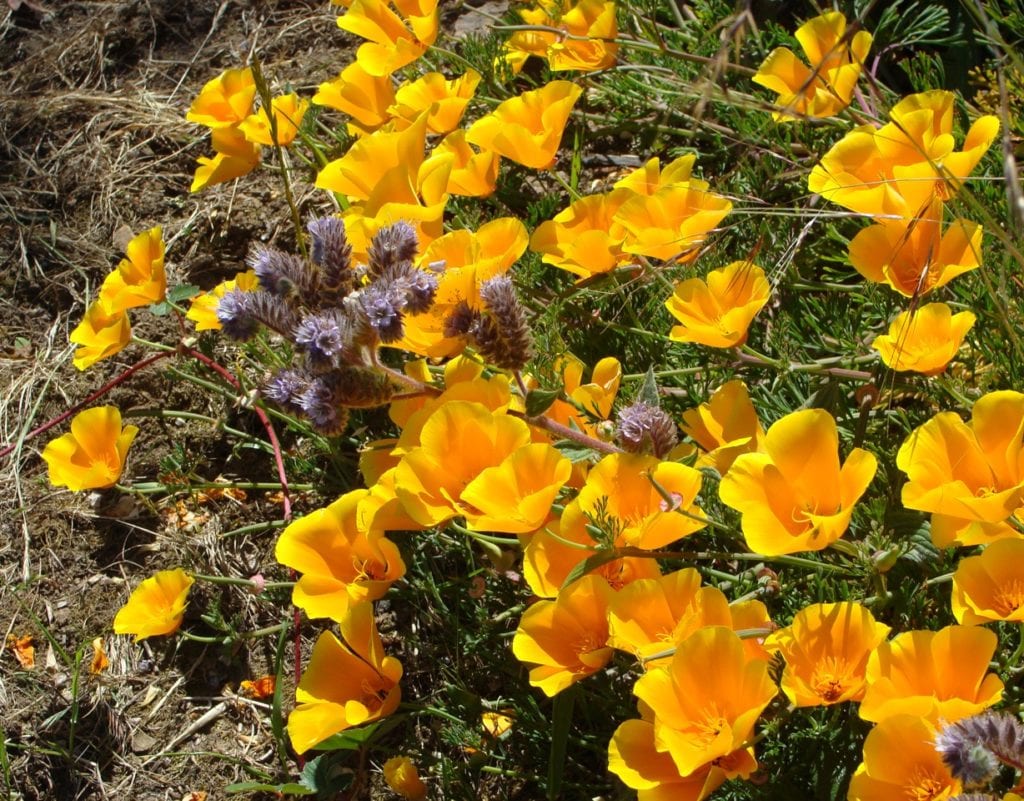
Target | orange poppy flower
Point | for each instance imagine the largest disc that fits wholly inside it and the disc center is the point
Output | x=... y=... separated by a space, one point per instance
x=826 y=87
x=156 y=606
x=566 y=638
x=717 y=312
x=234 y=157
x=936 y=675
x=286 y=112
x=702 y=715
x=224 y=101
x=826 y=649
x=93 y=453
x=900 y=761
x=795 y=496
x=634 y=757
x=528 y=129
x=364 y=97
x=968 y=473
x=899 y=168
x=724 y=427
x=990 y=586
x=924 y=340
x=139 y=279
x=103 y=332
x=348 y=682
x=341 y=563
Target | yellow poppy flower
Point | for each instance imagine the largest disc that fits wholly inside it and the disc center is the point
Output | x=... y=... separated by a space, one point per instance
x=102 y=333
x=634 y=757
x=795 y=496
x=900 y=761
x=587 y=18
x=479 y=464
x=649 y=616
x=724 y=427
x=936 y=675
x=444 y=101
x=585 y=238
x=234 y=157
x=918 y=255
x=649 y=178
x=701 y=715
x=92 y=454
x=826 y=87
x=341 y=564
x=595 y=398
x=156 y=606
x=566 y=638
x=139 y=279
x=401 y=775
x=528 y=128
x=990 y=586
x=924 y=340
x=622 y=486
x=971 y=473
x=371 y=161
x=395 y=38
x=364 y=97
x=202 y=308
x=287 y=110
x=672 y=223
x=348 y=682
x=717 y=312
x=900 y=168
x=471 y=174
x=826 y=649
x=224 y=101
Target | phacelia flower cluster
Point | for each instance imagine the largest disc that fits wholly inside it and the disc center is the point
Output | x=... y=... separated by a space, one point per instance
x=335 y=314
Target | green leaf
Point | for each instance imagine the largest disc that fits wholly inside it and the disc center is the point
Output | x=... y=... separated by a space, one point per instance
x=561 y=721
x=258 y=787
x=575 y=452
x=176 y=294
x=649 y=390
x=539 y=401
x=590 y=564
x=325 y=776
x=348 y=740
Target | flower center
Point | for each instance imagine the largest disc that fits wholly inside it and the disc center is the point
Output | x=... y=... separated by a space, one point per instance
x=1009 y=597
x=923 y=786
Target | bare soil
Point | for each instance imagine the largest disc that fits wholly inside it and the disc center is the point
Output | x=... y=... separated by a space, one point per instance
x=93 y=144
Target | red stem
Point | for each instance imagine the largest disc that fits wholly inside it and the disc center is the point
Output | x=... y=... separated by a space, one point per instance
x=282 y=477
x=56 y=421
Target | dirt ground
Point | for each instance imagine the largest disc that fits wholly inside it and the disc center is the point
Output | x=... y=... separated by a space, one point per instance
x=93 y=144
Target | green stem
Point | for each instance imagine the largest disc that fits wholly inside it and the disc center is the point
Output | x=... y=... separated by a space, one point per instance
x=154 y=345
x=253 y=527
x=241 y=582
x=506 y=542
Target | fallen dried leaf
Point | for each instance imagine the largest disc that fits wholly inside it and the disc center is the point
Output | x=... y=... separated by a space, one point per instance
x=23 y=650
x=100 y=662
x=260 y=689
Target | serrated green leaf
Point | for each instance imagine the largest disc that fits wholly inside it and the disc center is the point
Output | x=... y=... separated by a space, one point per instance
x=575 y=452
x=539 y=401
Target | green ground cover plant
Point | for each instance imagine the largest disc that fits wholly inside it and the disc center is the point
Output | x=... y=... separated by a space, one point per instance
x=633 y=395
